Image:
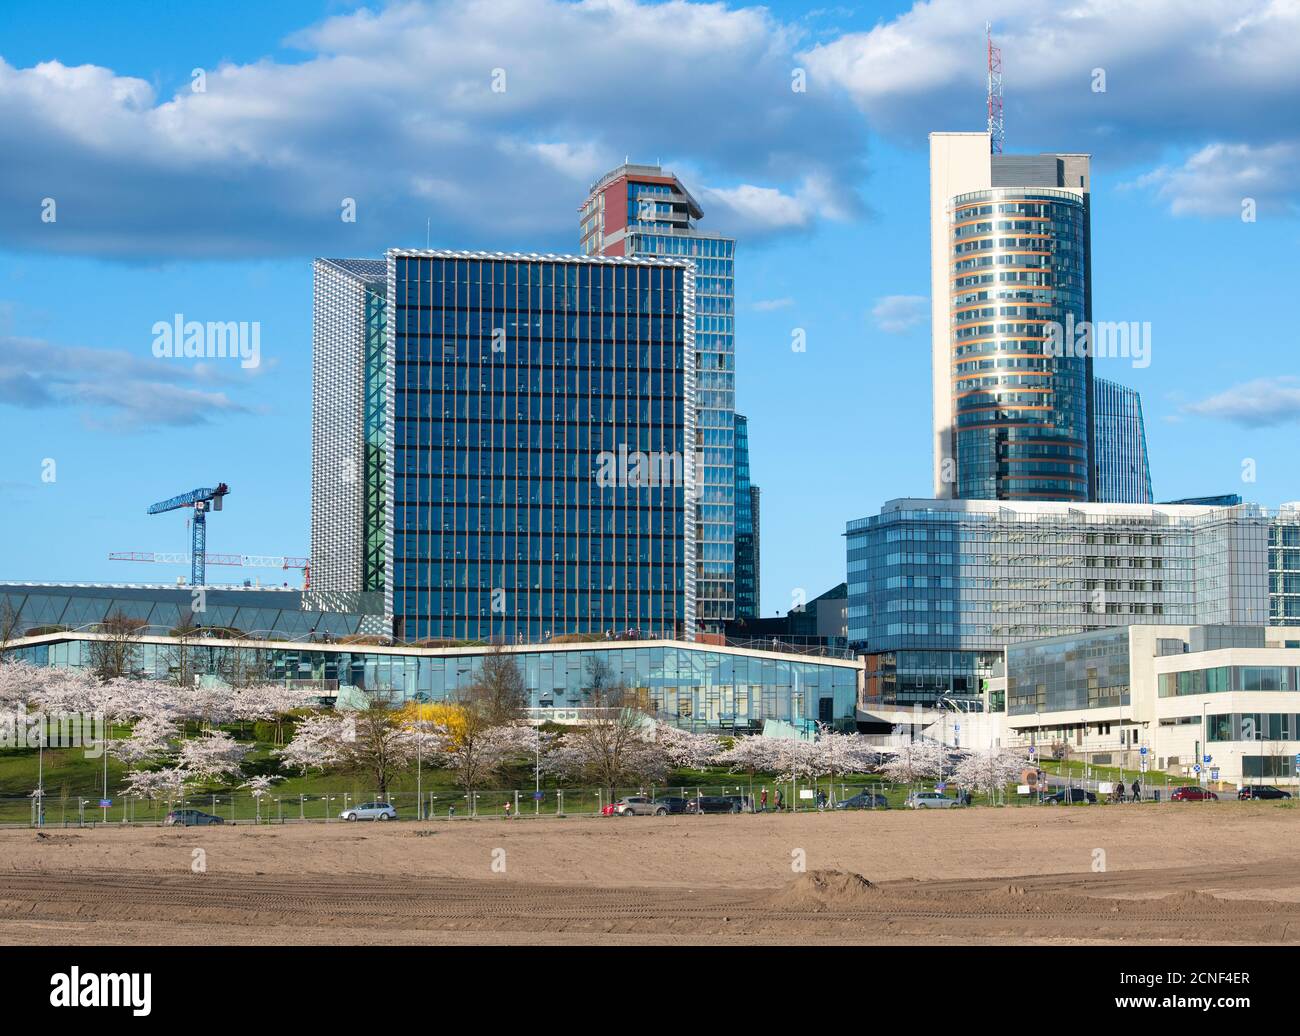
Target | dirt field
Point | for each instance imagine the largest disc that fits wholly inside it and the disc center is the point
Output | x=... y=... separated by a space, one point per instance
x=1174 y=873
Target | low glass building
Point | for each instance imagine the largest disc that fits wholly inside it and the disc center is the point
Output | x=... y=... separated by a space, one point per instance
x=687 y=685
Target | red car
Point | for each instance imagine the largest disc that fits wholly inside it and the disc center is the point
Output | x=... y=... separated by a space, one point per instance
x=1193 y=794
x=608 y=811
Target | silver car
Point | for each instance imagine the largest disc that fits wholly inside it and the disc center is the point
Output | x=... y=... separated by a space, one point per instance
x=370 y=811
x=929 y=800
x=640 y=805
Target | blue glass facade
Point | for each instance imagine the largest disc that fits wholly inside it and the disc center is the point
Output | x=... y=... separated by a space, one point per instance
x=517 y=383
x=747 y=573
x=1120 y=444
x=645 y=211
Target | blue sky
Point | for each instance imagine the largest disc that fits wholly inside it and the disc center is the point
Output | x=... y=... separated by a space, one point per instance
x=213 y=204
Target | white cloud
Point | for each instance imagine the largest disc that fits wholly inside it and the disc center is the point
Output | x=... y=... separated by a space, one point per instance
x=768 y=305
x=1216 y=180
x=897 y=314
x=1176 y=74
x=112 y=389
x=1261 y=403
x=396 y=109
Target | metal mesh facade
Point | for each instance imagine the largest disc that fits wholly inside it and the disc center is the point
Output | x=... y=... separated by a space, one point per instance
x=343 y=312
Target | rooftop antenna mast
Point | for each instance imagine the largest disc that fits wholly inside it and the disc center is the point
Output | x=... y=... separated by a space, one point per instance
x=997 y=128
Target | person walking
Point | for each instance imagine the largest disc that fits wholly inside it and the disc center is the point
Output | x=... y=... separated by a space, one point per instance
x=763 y=799
x=1137 y=791
x=780 y=799
x=507 y=809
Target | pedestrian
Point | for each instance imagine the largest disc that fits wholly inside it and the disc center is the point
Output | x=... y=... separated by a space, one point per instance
x=1119 y=791
x=821 y=799
x=763 y=799
x=780 y=799
x=1137 y=791
x=507 y=809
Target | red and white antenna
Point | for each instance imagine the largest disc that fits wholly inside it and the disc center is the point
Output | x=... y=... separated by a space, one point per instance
x=997 y=128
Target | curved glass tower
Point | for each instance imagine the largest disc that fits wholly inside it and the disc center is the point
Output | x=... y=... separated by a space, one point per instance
x=1020 y=390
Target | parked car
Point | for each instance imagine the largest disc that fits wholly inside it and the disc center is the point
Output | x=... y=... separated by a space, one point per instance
x=639 y=806
x=608 y=810
x=370 y=811
x=713 y=804
x=674 y=803
x=929 y=800
x=190 y=818
x=864 y=800
x=1262 y=791
x=1193 y=794
x=745 y=803
x=1071 y=795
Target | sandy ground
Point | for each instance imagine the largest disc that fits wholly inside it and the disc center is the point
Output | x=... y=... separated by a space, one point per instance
x=1171 y=873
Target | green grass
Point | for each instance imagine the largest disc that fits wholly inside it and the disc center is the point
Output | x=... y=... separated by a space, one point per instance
x=70 y=776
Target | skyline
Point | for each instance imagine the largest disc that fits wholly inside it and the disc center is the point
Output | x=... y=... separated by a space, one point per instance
x=821 y=247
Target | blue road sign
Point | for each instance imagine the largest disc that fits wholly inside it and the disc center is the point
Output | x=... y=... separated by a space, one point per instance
x=1208 y=759
x=1143 y=751
x=1196 y=768
x=105 y=803
x=538 y=795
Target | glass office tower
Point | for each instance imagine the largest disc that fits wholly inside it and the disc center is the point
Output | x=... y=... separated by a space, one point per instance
x=539 y=413
x=1021 y=414
x=747 y=587
x=641 y=210
x=1120 y=444
x=1011 y=286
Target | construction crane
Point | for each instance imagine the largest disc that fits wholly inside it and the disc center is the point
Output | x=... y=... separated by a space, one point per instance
x=997 y=125
x=237 y=560
x=201 y=500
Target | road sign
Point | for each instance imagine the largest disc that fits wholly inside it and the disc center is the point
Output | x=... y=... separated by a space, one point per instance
x=1214 y=774
x=941 y=787
x=105 y=803
x=1034 y=751
x=1208 y=759
x=539 y=795
x=1196 y=768
x=1143 y=751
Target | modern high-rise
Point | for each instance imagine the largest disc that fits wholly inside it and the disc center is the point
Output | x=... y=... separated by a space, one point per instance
x=503 y=443
x=643 y=210
x=748 y=599
x=1120 y=444
x=1010 y=257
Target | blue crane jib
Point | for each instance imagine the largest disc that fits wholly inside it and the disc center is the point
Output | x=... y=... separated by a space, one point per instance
x=200 y=500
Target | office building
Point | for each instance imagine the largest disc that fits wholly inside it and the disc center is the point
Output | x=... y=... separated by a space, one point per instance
x=643 y=210
x=748 y=593
x=1183 y=693
x=1010 y=259
x=1120 y=445
x=529 y=422
x=1284 y=566
x=939 y=588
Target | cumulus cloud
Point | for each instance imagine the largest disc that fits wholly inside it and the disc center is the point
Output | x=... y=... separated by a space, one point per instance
x=1219 y=178
x=1177 y=76
x=397 y=109
x=1262 y=403
x=111 y=389
x=896 y=314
